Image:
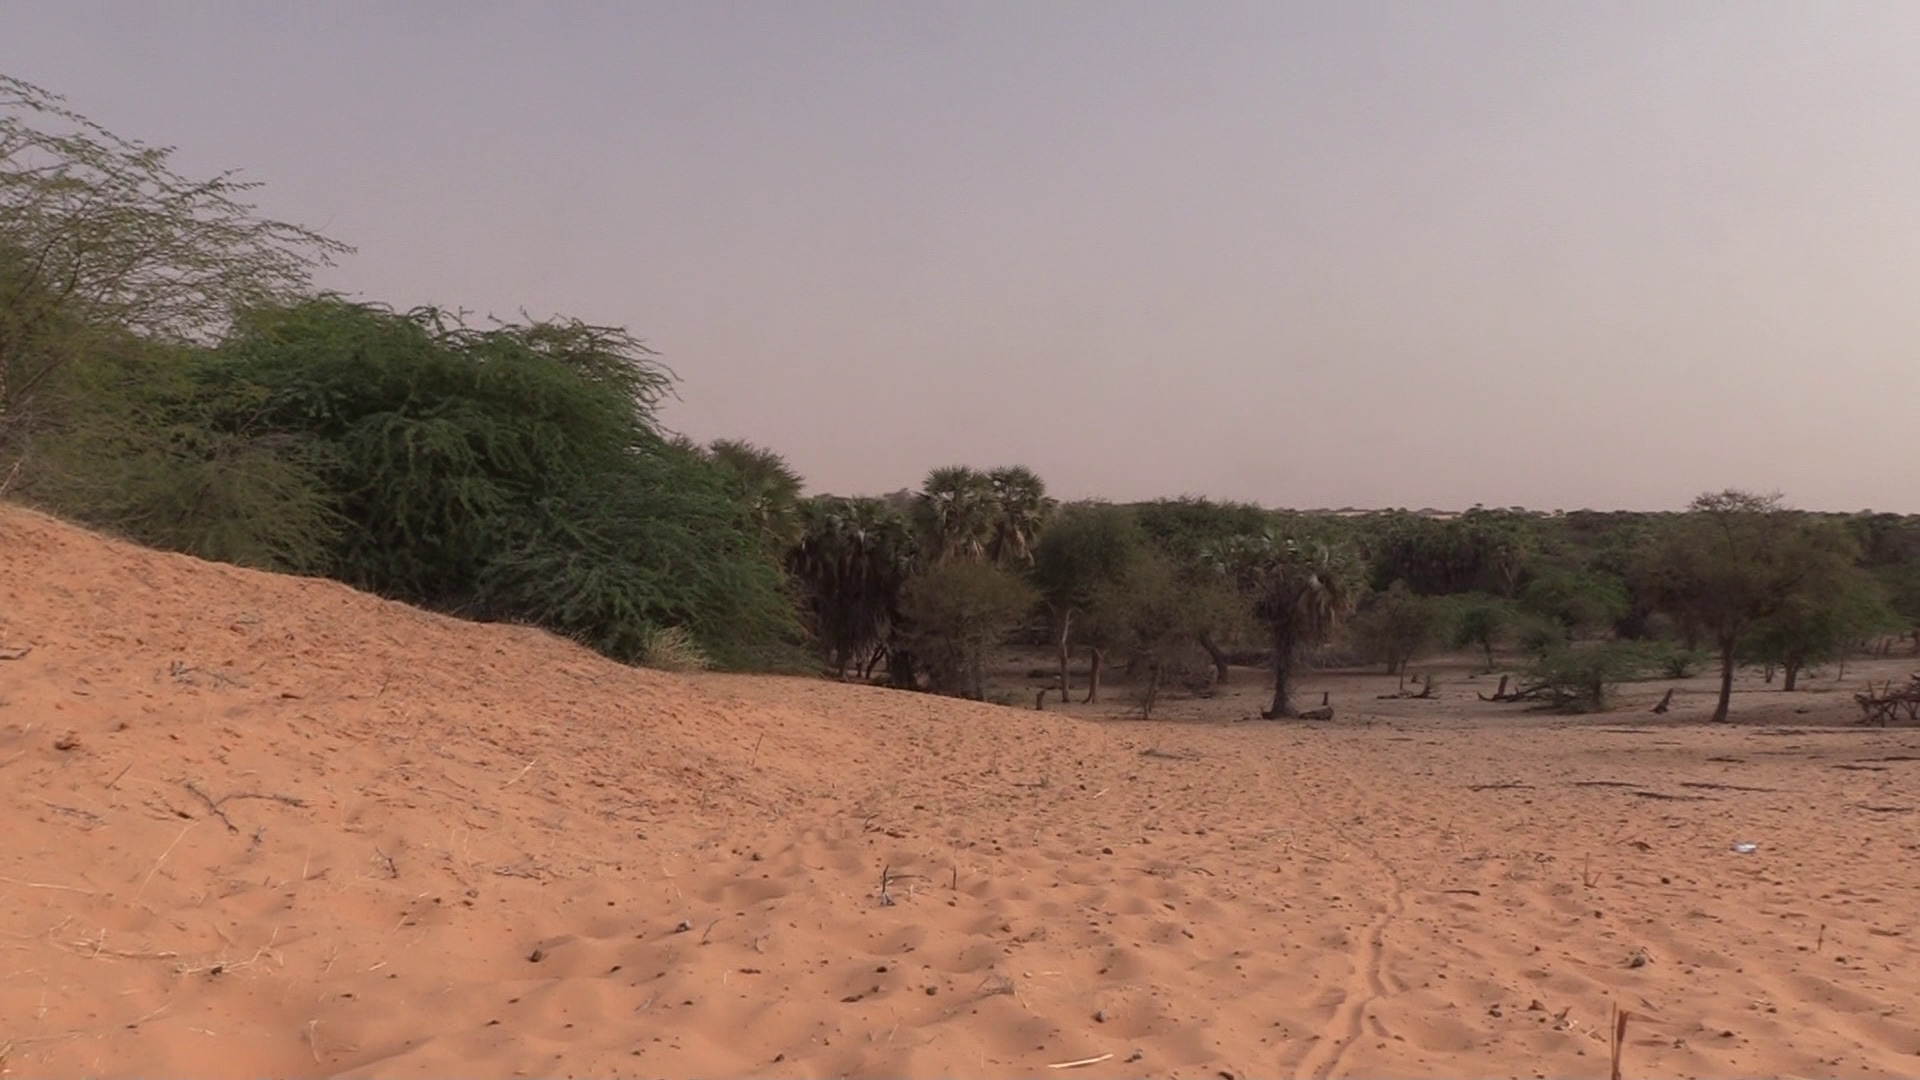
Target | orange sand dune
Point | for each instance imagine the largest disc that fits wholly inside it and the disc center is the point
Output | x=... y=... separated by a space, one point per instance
x=257 y=825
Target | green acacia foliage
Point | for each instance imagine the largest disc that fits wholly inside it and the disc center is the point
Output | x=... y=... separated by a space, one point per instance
x=1814 y=626
x=1186 y=530
x=1736 y=560
x=1581 y=602
x=438 y=440
x=1086 y=547
x=955 y=612
x=1581 y=678
x=151 y=442
x=1155 y=620
x=1481 y=622
x=513 y=472
x=99 y=235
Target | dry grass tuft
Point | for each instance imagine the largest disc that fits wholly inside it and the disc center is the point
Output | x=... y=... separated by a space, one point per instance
x=674 y=649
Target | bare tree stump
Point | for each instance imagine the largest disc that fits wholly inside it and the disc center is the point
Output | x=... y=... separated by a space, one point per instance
x=1665 y=701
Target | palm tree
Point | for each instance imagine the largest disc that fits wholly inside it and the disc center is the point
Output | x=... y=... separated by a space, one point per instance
x=1301 y=590
x=851 y=562
x=1021 y=507
x=766 y=486
x=956 y=511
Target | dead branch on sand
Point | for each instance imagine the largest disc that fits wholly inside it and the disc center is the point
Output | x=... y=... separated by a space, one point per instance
x=214 y=805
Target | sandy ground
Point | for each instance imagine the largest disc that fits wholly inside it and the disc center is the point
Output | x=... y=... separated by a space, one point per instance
x=253 y=825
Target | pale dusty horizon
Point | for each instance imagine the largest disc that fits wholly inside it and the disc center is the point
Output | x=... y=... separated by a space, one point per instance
x=1370 y=255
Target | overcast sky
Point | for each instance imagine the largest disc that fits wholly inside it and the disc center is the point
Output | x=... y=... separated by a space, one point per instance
x=1315 y=255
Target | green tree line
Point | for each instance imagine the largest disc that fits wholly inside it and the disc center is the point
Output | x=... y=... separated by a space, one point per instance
x=169 y=373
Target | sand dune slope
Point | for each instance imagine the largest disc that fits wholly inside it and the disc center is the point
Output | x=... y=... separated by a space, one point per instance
x=255 y=825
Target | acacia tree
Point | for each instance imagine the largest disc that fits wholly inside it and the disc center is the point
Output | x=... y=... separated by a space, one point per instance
x=1818 y=625
x=1396 y=626
x=99 y=234
x=1150 y=614
x=1192 y=532
x=1481 y=621
x=1083 y=551
x=1299 y=589
x=955 y=613
x=1734 y=560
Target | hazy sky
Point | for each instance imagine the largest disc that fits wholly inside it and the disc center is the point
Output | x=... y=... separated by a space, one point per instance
x=1398 y=254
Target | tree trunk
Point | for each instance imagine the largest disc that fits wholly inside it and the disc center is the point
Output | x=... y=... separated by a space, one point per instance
x=1726 y=681
x=901 y=670
x=1152 y=694
x=1488 y=645
x=1066 y=680
x=1791 y=669
x=1282 y=707
x=1093 y=675
x=1219 y=658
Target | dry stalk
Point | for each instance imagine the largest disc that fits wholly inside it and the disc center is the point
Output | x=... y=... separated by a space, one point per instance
x=161 y=860
x=1084 y=1062
x=1618 y=1040
x=44 y=885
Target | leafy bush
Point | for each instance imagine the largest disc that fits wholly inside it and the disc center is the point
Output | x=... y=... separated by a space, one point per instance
x=1582 y=678
x=142 y=440
x=658 y=544
x=1676 y=661
x=1538 y=637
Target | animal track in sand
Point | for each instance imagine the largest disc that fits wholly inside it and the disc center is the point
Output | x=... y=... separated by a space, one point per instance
x=1367 y=984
